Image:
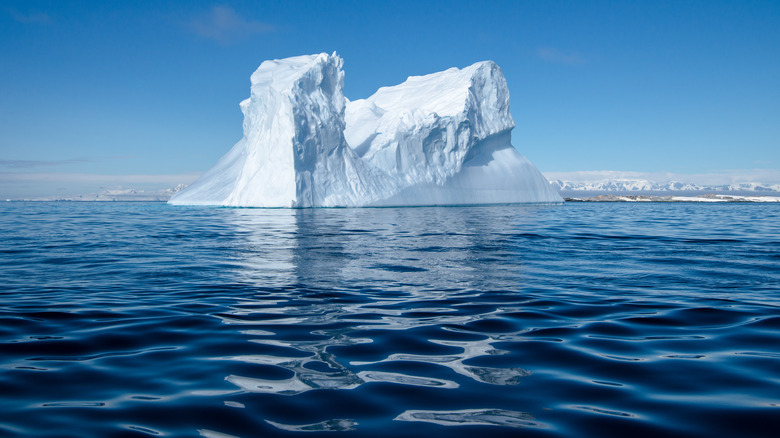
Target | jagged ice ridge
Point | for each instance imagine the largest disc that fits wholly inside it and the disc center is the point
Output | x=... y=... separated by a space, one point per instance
x=438 y=139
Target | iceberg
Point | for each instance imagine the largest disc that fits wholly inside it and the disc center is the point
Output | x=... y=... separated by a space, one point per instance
x=438 y=139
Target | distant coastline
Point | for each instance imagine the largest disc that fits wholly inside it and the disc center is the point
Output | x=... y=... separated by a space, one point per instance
x=707 y=194
x=603 y=187
x=603 y=197
x=687 y=197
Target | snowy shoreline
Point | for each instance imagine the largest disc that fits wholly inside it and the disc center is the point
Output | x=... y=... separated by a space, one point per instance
x=706 y=197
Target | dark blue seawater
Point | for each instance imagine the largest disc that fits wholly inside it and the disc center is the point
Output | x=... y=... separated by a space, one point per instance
x=584 y=319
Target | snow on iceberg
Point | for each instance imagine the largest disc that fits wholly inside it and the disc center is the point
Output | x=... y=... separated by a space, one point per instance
x=439 y=139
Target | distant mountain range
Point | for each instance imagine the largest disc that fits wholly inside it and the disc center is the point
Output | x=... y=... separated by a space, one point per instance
x=643 y=185
x=119 y=195
x=571 y=189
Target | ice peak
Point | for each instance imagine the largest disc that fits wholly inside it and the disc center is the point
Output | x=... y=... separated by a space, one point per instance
x=281 y=73
x=451 y=92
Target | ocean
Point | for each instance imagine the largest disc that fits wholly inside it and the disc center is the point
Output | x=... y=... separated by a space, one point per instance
x=581 y=319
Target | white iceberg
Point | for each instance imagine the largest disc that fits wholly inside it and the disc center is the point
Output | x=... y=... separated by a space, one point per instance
x=439 y=139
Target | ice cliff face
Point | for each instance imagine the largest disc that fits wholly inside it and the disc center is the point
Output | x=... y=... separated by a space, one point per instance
x=437 y=139
x=293 y=152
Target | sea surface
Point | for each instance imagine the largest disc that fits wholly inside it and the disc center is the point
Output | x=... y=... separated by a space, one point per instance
x=581 y=319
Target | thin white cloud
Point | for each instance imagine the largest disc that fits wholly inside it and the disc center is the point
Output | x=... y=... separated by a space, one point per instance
x=91 y=178
x=224 y=25
x=30 y=17
x=557 y=56
x=31 y=164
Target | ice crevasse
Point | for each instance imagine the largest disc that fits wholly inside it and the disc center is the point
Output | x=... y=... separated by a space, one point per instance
x=438 y=139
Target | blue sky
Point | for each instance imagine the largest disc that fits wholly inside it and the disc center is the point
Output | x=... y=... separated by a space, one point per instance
x=145 y=94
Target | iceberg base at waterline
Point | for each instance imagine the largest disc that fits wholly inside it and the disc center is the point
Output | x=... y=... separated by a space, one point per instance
x=438 y=139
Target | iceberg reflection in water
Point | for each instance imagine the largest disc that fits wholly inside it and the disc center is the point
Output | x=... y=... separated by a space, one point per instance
x=393 y=293
x=297 y=257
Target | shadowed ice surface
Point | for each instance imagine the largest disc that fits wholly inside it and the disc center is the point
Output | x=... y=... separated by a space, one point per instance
x=143 y=319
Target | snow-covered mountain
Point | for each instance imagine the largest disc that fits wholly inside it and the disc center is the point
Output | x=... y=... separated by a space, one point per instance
x=442 y=138
x=120 y=195
x=643 y=185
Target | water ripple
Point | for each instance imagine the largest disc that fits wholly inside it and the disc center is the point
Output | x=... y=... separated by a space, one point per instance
x=338 y=425
x=472 y=417
x=576 y=320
